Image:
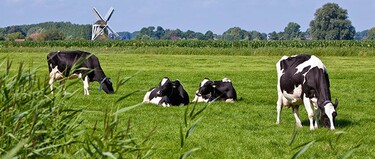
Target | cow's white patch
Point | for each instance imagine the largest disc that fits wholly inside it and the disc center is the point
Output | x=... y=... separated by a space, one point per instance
x=56 y=74
x=329 y=109
x=85 y=85
x=163 y=81
x=294 y=98
x=199 y=99
x=204 y=82
x=312 y=62
x=226 y=80
x=155 y=100
x=229 y=100
x=146 y=98
x=75 y=75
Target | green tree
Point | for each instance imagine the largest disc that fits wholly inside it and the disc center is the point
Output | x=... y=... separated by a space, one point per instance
x=331 y=23
x=255 y=35
x=172 y=34
x=15 y=35
x=209 y=35
x=292 y=31
x=159 y=32
x=235 y=33
x=273 y=36
x=189 y=34
x=371 y=34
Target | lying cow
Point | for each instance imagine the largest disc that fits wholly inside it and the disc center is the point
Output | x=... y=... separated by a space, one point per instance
x=219 y=90
x=303 y=79
x=77 y=64
x=168 y=93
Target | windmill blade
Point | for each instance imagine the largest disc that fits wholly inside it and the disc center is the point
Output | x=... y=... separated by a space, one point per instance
x=109 y=14
x=112 y=30
x=97 y=14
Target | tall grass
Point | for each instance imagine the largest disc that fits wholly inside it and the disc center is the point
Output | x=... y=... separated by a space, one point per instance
x=36 y=123
x=30 y=115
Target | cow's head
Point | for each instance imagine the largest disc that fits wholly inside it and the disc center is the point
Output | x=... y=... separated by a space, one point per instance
x=329 y=114
x=165 y=87
x=205 y=87
x=106 y=85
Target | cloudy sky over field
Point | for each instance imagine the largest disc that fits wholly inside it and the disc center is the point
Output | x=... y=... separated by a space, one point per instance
x=197 y=15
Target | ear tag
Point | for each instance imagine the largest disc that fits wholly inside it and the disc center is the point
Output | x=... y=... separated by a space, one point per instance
x=214 y=86
x=174 y=86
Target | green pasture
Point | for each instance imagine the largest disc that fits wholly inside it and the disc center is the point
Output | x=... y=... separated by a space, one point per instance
x=244 y=129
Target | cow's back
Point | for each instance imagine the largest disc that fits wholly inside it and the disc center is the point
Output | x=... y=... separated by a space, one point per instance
x=64 y=60
x=225 y=90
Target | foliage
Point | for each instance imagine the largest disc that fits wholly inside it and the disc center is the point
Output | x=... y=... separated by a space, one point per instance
x=13 y=36
x=362 y=35
x=235 y=33
x=30 y=116
x=371 y=34
x=150 y=33
x=331 y=23
x=70 y=31
x=35 y=123
x=47 y=35
x=189 y=125
x=293 y=32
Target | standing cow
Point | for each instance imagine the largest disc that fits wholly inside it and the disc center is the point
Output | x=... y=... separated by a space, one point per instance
x=168 y=93
x=303 y=79
x=77 y=64
x=211 y=90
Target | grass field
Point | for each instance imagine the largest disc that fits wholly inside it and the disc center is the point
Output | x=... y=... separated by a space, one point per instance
x=245 y=129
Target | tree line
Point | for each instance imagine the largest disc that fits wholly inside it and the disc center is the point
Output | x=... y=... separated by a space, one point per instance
x=330 y=23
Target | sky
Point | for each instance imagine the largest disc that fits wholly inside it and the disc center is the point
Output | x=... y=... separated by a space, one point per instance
x=197 y=15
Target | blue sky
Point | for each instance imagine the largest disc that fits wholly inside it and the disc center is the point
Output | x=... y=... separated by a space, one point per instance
x=197 y=15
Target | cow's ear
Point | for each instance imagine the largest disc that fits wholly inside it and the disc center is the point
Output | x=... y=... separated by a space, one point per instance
x=177 y=82
x=336 y=103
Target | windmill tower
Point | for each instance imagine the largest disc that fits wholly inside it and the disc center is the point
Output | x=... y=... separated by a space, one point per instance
x=101 y=27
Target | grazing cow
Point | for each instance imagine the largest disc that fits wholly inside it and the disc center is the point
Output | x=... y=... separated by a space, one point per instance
x=303 y=79
x=168 y=93
x=220 y=90
x=77 y=64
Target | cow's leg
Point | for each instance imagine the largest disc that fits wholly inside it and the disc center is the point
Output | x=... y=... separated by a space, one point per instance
x=86 y=86
x=296 y=116
x=310 y=112
x=317 y=115
x=279 y=107
x=50 y=82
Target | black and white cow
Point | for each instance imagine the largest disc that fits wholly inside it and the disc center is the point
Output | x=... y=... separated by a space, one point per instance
x=219 y=90
x=77 y=64
x=303 y=79
x=168 y=93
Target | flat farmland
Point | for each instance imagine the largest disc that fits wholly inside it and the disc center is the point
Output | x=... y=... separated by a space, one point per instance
x=244 y=129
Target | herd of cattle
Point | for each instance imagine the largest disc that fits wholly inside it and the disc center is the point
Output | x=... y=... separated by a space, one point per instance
x=302 y=79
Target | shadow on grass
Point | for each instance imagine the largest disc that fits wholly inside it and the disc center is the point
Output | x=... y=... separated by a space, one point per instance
x=339 y=123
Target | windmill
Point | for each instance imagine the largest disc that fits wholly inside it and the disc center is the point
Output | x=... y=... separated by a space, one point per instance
x=101 y=27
